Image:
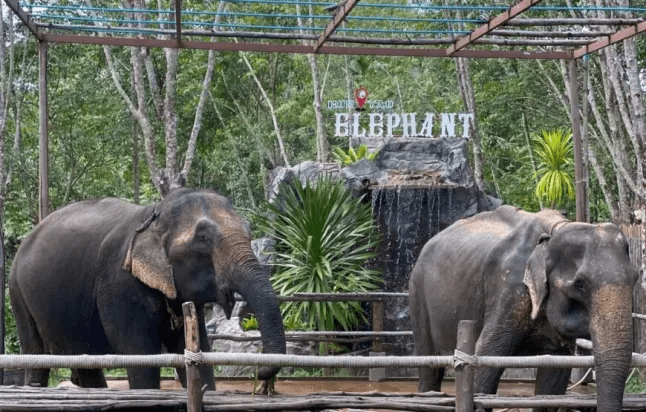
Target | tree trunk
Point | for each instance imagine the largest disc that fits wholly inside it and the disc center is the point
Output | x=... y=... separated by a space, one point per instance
x=279 y=136
x=468 y=96
x=603 y=185
x=169 y=176
x=322 y=147
x=236 y=152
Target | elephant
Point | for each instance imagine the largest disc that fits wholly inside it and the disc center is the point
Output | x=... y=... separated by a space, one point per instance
x=108 y=277
x=534 y=283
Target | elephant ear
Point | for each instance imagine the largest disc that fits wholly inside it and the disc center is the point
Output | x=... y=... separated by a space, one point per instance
x=147 y=261
x=536 y=276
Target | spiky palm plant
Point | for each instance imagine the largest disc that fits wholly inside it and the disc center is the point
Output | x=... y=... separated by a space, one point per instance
x=324 y=237
x=554 y=152
x=352 y=156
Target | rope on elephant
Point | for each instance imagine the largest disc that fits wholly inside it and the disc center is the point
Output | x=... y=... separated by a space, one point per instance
x=461 y=358
x=192 y=358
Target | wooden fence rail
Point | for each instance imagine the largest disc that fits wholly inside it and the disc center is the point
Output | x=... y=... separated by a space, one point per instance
x=191 y=360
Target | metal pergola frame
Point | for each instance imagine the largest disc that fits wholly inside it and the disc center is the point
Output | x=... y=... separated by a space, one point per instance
x=484 y=38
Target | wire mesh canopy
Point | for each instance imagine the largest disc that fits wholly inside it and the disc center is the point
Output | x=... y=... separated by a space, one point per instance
x=427 y=28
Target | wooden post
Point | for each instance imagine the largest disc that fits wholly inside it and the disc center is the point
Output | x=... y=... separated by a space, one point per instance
x=579 y=183
x=377 y=323
x=377 y=374
x=43 y=158
x=584 y=134
x=193 y=381
x=464 y=372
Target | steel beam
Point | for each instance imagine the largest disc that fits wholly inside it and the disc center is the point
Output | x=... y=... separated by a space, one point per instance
x=612 y=39
x=342 y=10
x=24 y=17
x=492 y=24
x=300 y=49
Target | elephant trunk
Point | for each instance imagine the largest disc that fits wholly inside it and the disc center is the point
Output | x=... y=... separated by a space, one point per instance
x=255 y=288
x=611 y=331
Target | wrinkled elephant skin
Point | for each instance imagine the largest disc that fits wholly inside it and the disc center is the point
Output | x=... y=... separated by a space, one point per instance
x=534 y=283
x=104 y=276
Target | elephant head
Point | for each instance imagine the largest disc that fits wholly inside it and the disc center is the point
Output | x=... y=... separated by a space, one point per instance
x=582 y=278
x=195 y=247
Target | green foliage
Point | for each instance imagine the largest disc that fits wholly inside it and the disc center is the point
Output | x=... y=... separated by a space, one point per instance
x=249 y=323
x=636 y=382
x=58 y=375
x=554 y=153
x=324 y=238
x=11 y=341
x=352 y=156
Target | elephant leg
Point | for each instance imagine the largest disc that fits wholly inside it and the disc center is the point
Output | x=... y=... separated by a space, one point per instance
x=551 y=381
x=37 y=377
x=30 y=341
x=143 y=378
x=89 y=378
x=500 y=336
x=430 y=379
x=206 y=371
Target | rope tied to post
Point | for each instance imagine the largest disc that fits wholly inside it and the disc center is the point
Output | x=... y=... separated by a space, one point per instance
x=460 y=359
x=192 y=358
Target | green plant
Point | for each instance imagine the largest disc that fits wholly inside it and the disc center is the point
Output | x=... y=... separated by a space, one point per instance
x=11 y=341
x=635 y=382
x=324 y=237
x=352 y=156
x=554 y=152
x=249 y=323
x=58 y=375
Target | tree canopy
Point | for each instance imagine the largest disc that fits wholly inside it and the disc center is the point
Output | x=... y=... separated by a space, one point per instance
x=134 y=123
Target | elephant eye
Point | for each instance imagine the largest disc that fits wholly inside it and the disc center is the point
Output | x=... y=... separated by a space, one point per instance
x=579 y=284
x=202 y=237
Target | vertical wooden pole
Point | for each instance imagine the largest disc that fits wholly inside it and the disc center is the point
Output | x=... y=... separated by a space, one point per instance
x=377 y=323
x=43 y=158
x=584 y=134
x=377 y=374
x=579 y=182
x=463 y=372
x=193 y=381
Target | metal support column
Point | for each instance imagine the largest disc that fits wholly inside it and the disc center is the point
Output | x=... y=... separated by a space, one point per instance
x=579 y=182
x=43 y=175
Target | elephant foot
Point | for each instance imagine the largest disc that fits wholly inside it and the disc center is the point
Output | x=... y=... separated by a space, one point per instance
x=88 y=378
x=267 y=387
x=36 y=377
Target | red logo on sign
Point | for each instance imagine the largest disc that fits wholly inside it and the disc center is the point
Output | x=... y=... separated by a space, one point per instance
x=361 y=94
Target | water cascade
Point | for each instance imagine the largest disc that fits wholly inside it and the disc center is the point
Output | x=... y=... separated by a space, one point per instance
x=407 y=216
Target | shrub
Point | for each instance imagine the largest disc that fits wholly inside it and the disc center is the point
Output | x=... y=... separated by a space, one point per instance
x=324 y=237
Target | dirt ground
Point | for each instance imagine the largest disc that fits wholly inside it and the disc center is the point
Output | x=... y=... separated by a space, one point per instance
x=299 y=387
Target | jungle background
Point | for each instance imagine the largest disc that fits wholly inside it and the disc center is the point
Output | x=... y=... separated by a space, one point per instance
x=135 y=123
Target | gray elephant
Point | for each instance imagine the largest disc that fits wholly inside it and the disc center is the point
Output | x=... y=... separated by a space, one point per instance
x=104 y=276
x=534 y=283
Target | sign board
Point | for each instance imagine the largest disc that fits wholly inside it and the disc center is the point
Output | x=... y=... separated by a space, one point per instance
x=379 y=125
